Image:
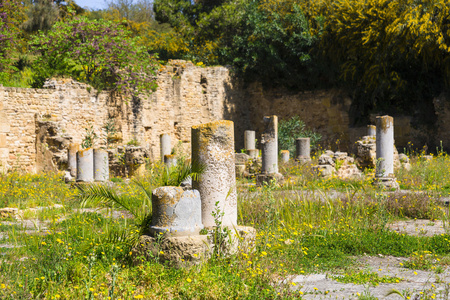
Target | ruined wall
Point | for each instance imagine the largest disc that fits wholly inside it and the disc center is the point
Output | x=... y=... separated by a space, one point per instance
x=187 y=95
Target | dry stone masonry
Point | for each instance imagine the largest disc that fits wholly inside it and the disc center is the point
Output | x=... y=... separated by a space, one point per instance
x=187 y=95
x=337 y=164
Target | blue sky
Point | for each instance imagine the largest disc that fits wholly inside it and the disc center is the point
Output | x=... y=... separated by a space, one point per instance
x=93 y=4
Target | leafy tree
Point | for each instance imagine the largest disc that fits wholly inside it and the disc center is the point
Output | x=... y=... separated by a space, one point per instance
x=99 y=52
x=42 y=14
x=273 y=44
x=10 y=17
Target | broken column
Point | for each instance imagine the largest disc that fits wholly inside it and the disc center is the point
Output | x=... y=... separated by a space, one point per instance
x=249 y=139
x=371 y=130
x=166 y=149
x=303 y=149
x=85 y=165
x=101 y=165
x=213 y=148
x=175 y=211
x=285 y=156
x=384 y=174
x=72 y=158
x=269 y=142
x=250 y=144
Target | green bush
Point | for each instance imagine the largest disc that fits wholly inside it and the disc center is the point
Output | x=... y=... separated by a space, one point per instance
x=292 y=129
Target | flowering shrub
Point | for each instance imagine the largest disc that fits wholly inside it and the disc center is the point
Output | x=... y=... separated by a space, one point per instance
x=98 y=52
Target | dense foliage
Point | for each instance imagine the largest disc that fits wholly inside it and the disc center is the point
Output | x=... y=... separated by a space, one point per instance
x=391 y=55
x=101 y=53
x=291 y=129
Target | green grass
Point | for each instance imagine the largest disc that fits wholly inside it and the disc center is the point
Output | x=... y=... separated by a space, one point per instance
x=300 y=230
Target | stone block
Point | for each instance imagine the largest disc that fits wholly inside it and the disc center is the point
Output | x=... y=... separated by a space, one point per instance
x=262 y=179
x=185 y=251
x=241 y=158
x=325 y=171
x=178 y=251
x=240 y=171
x=175 y=212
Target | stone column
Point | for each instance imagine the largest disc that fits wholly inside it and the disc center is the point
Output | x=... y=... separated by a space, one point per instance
x=176 y=212
x=72 y=158
x=101 y=165
x=170 y=160
x=85 y=165
x=213 y=147
x=285 y=156
x=166 y=149
x=249 y=140
x=371 y=130
x=385 y=152
x=269 y=142
x=303 y=149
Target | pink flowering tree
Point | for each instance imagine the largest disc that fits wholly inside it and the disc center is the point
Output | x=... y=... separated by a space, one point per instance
x=101 y=53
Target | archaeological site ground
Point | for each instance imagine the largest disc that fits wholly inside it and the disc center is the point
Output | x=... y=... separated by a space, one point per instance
x=226 y=149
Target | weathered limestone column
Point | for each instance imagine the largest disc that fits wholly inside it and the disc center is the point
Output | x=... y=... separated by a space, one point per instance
x=165 y=145
x=101 y=165
x=269 y=142
x=72 y=158
x=285 y=156
x=384 y=174
x=213 y=147
x=4 y=129
x=175 y=211
x=371 y=130
x=249 y=140
x=303 y=149
x=170 y=160
x=85 y=165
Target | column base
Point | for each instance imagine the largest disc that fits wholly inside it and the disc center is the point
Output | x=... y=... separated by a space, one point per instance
x=262 y=179
x=386 y=182
x=184 y=251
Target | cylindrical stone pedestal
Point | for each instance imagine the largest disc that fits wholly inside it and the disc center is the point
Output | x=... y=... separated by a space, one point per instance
x=269 y=142
x=166 y=149
x=175 y=211
x=303 y=149
x=85 y=165
x=253 y=153
x=72 y=159
x=101 y=165
x=213 y=148
x=249 y=140
x=285 y=156
x=371 y=130
x=385 y=146
x=170 y=160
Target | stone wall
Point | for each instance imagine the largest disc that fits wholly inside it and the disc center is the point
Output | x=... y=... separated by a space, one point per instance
x=187 y=95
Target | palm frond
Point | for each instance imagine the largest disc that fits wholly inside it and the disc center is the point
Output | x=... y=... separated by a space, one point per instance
x=103 y=195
